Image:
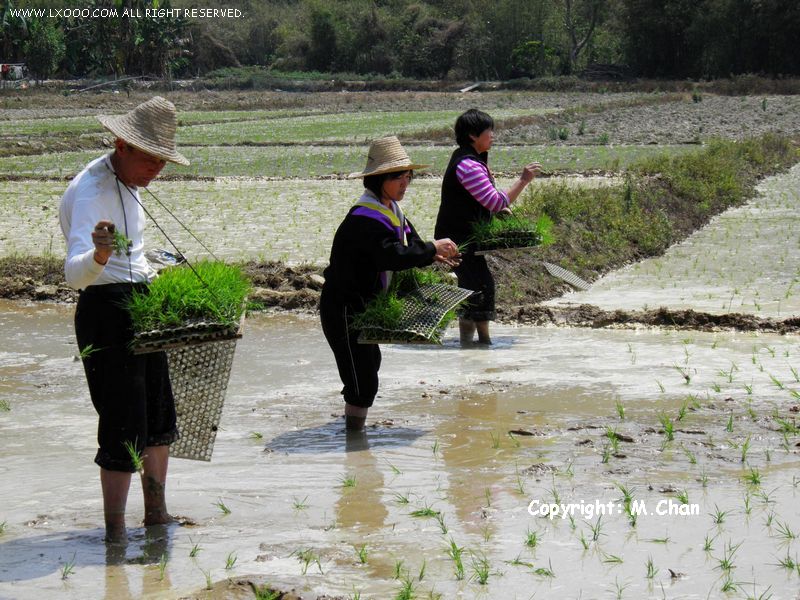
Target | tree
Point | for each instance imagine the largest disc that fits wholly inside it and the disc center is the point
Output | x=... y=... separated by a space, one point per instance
x=322 y=45
x=13 y=30
x=44 y=49
x=580 y=19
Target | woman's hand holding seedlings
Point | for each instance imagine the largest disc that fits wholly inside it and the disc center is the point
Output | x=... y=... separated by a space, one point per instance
x=447 y=252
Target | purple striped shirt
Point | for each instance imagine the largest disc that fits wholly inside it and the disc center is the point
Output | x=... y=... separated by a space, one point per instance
x=474 y=176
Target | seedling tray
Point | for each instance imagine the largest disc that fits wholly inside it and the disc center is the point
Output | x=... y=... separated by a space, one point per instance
x=422 y=320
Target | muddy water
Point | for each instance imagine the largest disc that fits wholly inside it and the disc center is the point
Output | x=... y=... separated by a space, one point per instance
x=440 y=440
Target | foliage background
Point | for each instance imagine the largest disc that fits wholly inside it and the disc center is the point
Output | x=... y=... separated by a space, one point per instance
x=423 y=39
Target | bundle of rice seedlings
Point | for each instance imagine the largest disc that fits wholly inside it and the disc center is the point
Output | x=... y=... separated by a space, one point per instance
x=511 y=232
x=213 y=293
x=413 y=309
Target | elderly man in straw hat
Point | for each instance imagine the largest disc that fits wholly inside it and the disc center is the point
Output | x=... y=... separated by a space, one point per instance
x=102 y=219
x=374 y=239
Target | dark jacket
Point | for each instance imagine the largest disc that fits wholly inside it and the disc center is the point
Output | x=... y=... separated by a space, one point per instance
x=362 y=249
x=459 y=210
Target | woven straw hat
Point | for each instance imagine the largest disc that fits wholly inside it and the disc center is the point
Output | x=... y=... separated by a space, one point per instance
x=387 y=155
x=150 y=127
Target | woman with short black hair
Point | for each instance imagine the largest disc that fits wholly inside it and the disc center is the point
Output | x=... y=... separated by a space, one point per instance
x=469 y=196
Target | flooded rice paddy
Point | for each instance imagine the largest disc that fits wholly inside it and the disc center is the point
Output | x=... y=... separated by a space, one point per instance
x=619 y=426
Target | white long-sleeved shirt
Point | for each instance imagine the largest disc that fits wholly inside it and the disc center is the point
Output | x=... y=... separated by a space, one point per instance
x=91 y=197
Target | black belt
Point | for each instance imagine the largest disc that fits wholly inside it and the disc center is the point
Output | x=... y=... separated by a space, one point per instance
x=124 y=287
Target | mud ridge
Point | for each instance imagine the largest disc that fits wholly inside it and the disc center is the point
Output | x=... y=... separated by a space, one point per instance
x=588 y=315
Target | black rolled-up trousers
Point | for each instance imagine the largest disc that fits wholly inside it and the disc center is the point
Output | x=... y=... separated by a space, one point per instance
x=358 y=364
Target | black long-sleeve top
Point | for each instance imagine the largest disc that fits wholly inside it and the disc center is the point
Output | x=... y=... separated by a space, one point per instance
x=362 y=249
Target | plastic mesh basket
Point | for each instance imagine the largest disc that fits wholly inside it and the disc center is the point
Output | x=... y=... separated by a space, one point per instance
x=199 y=374
x=200 y=358
x=421 y=322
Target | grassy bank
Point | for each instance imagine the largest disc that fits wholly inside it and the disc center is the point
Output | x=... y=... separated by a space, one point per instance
x=664 y=198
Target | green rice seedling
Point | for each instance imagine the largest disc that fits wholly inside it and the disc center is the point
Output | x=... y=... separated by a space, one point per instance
x=398 y=569
x=661 y=387
x=422 y=570
x=230 y=560
x=195 y=549
x=406 y=590
x=221 y=505
x=486 y=530
x=652 y=571
x=606 y=454
x=620 y=409
x=363 y=554
x=689 y=454
x=745 y=448
x=532 y=538
x=769 y=519
x=400 y=498
x=435 y=447
x=256 y=435
x=514 y=440
x=136 y=456
x=584 y=541
x=704 y=478
x=685 y=373
x=394 y=469
x=569 y=470
x=612 y=559
x=488 y=495
x=753 y=477
x=442 y=524
x=162 y=566
x=518 y=562
x=795 y=374
x=748 y=389
x=682 y=410
x=480 y=568
x=788 y=562
x=778 y=384
x=613 y=439
x=787 y=427
x=663 y=540
x=748 y=508
x=68 y=568
x=683 y=497
x=4 y=405
x=726 y=562
x=708 y=543
x=572 y=524
x=495 y=440
x=545 y=571
x=209 y=582
x=425 y=512
x=729 y=424
x=121 y=244
x=455 y=552
x=299 y=504
x=718 y=516
x=597 y=528
x=728 y=585
x=306 y=557
x=212 y=292
x=716 y=387
x=784 y=531
x=669 y=427
x=348 y=481
x=520 y=485
x=3 y=527
x=767 y=455
x=87 y=351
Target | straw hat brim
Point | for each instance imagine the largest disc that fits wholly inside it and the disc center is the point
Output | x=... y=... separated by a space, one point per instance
x=389 y=168
x=121 y=127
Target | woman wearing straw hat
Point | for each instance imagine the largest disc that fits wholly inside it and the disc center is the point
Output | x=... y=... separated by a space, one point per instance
x=469 y=196
x=374 y=239
x=131 y=394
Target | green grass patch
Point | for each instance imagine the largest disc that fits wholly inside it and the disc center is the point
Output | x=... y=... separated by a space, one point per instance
x=178 y=296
